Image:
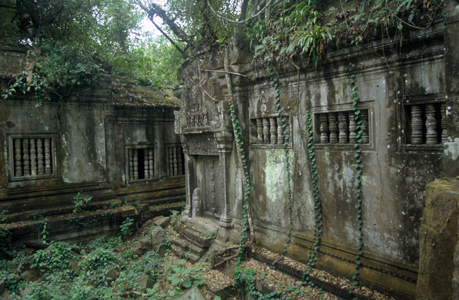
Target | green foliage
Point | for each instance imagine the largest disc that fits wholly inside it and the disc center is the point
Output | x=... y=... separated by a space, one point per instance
x=70 y=43
x=304 y=28
x=153 y=62
x=81 y=203
x=245 y=281
x=4 y=235
x=126 y=225
x=100 y=259
x=182 y=278
x=54 y=258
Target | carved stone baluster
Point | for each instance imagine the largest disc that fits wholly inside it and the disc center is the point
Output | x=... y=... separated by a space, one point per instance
x=174 y=151
x=287 y=128
x=333 y=128
x=323 y=128
x=131 y=164
x=431 y=125
x=18 y=157
x=179 y=161
x=272 y=130
x=47 y=156
x=136 y=163
x=41 y=165
x=352 y=125
x=25 y=157
x=259 y=131
x=444 y=132
x=280 y=134
x=342 y=127
x=146 y=172
x=416 y=124
x=171 y=162
x=150 y=163
x=364 y=127
x=33 y=157
x=265 y=131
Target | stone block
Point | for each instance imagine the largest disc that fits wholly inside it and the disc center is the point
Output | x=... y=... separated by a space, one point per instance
x=144 y=282
x=128 y=211
x=438 y=242
x=143 y=207
x=113 y=274
x=2 y=286
x=147 y=224
x=192 y=293
x=157 y=235
x=162 y=222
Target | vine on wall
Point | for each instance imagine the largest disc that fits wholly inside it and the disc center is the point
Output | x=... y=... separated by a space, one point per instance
x=275 y=81
x=358 y=177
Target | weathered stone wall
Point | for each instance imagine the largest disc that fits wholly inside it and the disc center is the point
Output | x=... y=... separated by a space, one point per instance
x=93 y=135
x=392 y=86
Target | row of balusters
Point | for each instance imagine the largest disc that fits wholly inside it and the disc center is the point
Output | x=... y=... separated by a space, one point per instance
x=425 y=121
x=141 y=163
x=175 y=167
x=340 y=127
x=32 y=157
x=269 y=130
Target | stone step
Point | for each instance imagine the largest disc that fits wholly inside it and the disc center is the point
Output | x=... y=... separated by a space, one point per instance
x=194 y=235
x=180 y=252
x=187 y=245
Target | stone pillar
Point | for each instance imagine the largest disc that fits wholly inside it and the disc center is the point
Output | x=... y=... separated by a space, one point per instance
x=225 y=147
x=451 y=58
x=187 y=162
x=438 y=237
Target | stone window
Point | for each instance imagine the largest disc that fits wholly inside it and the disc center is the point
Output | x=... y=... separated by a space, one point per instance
x=267 y=131
x=175 y=159
x=31 y=157
x=424 y=124
x=340 y=127
x=140 y=162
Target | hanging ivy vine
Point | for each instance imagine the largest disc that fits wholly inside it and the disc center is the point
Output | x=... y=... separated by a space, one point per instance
x=312 y=256
x=286 y=137
x=358 y=179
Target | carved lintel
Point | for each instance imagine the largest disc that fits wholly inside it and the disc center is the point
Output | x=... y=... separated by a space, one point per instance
x=202 y=145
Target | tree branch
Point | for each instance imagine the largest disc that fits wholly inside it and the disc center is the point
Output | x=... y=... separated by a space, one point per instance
x=167 y=37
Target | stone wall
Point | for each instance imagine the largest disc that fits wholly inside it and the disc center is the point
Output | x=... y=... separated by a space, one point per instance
x=113 y=141
x=408 y=100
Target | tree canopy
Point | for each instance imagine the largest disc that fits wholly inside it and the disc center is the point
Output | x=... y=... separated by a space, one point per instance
x=70 y=43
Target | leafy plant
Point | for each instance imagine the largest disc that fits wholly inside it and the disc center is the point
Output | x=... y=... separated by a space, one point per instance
x=54 y=258
x=126 y=225
x=100 y=259
x=81 y=203
x=183 y=278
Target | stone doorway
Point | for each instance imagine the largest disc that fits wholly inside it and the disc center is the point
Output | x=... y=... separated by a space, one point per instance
x=208 y=180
